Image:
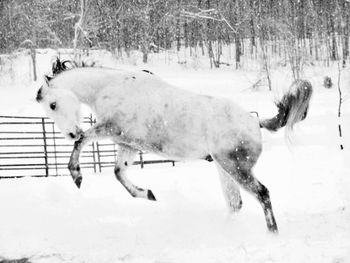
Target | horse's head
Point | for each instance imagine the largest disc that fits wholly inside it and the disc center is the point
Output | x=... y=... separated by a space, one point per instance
x=62 y=106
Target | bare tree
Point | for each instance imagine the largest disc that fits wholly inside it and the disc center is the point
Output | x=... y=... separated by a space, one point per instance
x=310 y=28
x=340 y=102
x=31 y=46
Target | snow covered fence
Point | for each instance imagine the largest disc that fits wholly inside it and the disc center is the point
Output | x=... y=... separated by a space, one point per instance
x=32 y=146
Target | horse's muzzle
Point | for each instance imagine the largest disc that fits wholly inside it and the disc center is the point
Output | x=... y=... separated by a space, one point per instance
x=77 y=135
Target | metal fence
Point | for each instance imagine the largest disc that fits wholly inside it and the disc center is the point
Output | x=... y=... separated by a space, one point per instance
x=32 y=146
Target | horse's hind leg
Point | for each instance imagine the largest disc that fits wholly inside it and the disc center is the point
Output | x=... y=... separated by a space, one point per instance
x=125 y=159
x=252 y=185
x=240 y=170
x=231 y=190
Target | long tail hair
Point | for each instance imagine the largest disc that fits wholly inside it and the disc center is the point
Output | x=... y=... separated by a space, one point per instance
x=292 y=108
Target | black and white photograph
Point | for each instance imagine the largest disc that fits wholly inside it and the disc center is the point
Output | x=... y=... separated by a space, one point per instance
x=181 y=131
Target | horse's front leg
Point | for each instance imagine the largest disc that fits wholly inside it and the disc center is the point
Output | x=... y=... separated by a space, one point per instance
x=125 y=159
x=73 y=165
x=86 y=137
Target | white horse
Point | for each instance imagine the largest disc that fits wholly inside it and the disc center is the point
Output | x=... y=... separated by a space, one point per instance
x=139 y=111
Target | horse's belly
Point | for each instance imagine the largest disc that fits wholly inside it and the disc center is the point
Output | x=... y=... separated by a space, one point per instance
x=170 y=143
x=185 y=150
x=178 y=147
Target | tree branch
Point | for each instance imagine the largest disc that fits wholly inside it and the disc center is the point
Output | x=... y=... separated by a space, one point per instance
x=208 y=14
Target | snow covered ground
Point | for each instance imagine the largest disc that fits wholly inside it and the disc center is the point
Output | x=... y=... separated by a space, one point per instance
x=49 y=220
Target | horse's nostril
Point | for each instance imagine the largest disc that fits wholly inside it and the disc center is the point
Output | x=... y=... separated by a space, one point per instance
x=71 y=135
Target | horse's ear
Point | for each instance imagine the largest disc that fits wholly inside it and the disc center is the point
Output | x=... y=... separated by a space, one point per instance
x=57 y=67
x=47 y=79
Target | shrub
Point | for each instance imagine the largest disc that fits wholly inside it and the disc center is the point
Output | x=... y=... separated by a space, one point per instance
x=327 y=82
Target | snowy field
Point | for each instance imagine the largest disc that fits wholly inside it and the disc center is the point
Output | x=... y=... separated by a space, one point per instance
x=49 y=220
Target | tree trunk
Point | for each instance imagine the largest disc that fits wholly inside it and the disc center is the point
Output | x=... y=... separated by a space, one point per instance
x=77 y=29
x=316 y=49
x=210 y=54
x=345 y=49
x=334 y=48
x=178 y=29
x=238 y=51
x=252 y=38
x=186 y=34
x=144 y=56
x=339 y=108
x=33 y=55
x=345 y=42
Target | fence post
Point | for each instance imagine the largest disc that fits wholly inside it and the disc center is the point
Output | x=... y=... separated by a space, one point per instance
x=141 y=160
x=93 y=146
x=54 y=147
x=98 y=157
x=45 y=147
x=115 y=153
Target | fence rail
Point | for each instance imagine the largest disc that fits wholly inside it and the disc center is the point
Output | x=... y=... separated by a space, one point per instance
x=32 y=146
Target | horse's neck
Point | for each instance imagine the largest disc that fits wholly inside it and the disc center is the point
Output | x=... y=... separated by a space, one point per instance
x=86 y=83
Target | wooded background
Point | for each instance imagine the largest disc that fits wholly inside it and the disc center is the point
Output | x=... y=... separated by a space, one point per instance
x=313 y=29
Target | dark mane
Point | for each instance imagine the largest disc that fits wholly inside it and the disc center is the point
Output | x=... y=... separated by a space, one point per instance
x=59 y=66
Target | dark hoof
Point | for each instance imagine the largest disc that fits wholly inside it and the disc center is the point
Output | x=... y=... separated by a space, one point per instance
x=150 y=196
x=273 y=230
x=77 y=181
x=240 y=205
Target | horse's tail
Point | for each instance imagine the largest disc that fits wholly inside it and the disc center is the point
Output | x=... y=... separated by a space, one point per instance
x=292 y=108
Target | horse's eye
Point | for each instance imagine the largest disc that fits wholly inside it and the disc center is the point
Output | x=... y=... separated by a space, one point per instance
x=53 y=105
